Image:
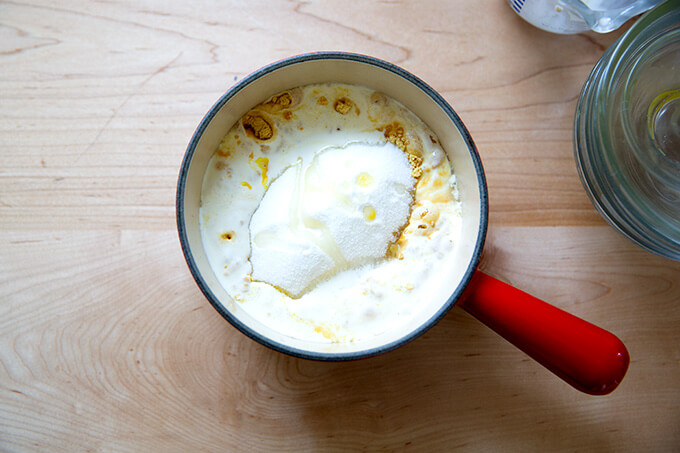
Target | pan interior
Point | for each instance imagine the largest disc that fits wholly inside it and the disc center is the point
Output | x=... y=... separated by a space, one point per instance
x=355 y=70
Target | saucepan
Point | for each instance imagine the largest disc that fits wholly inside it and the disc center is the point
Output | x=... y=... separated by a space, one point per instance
x=585 y=356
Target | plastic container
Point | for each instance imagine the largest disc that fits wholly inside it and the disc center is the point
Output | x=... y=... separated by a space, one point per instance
x=627 y=132
x=577 y=16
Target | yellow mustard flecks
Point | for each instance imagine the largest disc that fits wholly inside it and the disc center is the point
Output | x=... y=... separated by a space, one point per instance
x=263 y=163
x=245 y=184
x=329 y=333
x=416 y=162
x=326 y=332
x=429 y=215
x=393 y=251
x=434 y=185
x=397 y=135
x=228 y=236
x=257 y=125
x=343 y=105
x=394 y=133
x=282 y=101
x=260 y=165
x=224 y=149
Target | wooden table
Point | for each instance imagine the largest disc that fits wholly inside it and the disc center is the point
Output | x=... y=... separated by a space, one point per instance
x=106 y=343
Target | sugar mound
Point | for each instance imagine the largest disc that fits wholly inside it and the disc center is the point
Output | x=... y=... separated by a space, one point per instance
x=338 y=211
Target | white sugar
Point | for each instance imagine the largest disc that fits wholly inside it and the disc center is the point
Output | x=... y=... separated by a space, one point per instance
x=338 y=211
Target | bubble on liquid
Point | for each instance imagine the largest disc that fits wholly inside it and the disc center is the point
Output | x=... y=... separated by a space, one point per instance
x=364 y=180
x=369 y=213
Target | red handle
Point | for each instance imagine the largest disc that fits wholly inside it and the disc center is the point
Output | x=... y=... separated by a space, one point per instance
x=585 y=356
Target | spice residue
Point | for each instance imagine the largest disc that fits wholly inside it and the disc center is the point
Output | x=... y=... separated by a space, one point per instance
x=227 y=236
x=261 y=165
x=257 y=125
x=395 y=134
x=343 y=105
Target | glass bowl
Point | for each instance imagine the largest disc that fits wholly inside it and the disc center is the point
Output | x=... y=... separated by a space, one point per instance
x=627 y=132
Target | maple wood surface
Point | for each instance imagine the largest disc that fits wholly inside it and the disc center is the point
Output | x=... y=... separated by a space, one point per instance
x=107 y=344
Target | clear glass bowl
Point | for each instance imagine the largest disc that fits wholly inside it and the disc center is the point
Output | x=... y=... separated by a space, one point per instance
x=627 y=132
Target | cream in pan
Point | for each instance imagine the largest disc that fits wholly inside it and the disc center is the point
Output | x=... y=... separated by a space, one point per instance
x=326 y=212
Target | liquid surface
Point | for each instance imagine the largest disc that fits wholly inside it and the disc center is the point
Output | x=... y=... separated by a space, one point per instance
x=326 y=211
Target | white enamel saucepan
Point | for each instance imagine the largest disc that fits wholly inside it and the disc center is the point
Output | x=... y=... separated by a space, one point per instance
x=587 y=357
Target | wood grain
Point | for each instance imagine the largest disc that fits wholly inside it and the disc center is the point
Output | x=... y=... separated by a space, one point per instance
x=106 y=343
